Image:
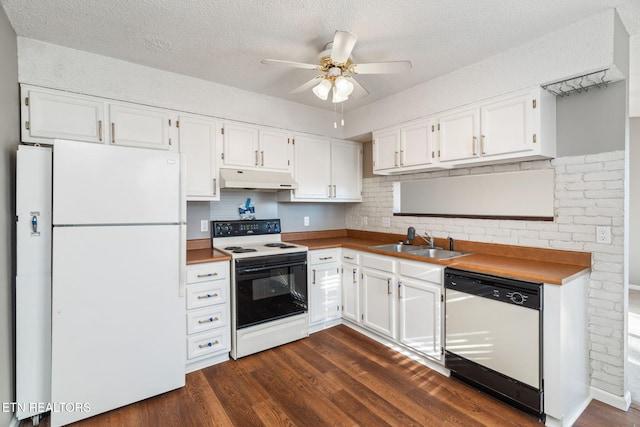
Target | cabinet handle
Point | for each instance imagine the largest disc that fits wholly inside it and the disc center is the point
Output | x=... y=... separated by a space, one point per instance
x=475 y=140
x=482 y=145
x=113 y=133
x=389 y=286
x=209 y=344
x=207 y=296
x=209 y=320
x=262 y=158
x=207 y=275
x=100 y=130
x=329 y=189
x=401 y=161
x=324 y=258
x=395 y=158
x=215 y=190
x=256 y=153
x=348 y=257
x=355 y=275
x=313 y=281
x=399 y=293
x=334 y=191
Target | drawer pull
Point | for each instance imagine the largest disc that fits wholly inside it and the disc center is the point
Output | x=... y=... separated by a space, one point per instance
x=209 y=344
x=209 y=320
x=325 y=258
x=348 y=257
x=208 y=275
x=207 y=296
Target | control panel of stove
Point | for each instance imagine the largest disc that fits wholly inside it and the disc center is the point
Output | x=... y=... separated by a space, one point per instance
x=245 y=227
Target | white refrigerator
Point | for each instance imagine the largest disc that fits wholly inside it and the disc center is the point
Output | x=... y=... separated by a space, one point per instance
x=117 y=306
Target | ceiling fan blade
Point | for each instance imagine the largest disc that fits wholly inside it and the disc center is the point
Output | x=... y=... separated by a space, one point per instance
x=306 y=86
x=358 y=90
x=343 y=43
x=290 y=64
x=382 y=67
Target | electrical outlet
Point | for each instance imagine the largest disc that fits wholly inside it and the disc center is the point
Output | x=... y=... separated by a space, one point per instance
x=603 y=234
x=306 y=221
x=204 y=225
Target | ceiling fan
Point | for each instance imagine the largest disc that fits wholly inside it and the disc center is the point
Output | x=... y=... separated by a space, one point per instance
x=338 y=69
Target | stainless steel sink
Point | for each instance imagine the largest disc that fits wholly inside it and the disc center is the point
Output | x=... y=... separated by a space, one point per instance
x=420 y=250
x=399 y=247
x=438 y=253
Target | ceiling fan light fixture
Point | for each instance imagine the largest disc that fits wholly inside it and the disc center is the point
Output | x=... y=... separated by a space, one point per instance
x=322 y=89
x=343 y=87
x=337 y=96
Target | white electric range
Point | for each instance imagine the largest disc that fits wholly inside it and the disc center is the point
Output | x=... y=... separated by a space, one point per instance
x=269 y=296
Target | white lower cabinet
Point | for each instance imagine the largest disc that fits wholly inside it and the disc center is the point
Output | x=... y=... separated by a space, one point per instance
x=420 y=307
x=208 y=321
x=324 y=284
x=350 y=272
x=378 y=290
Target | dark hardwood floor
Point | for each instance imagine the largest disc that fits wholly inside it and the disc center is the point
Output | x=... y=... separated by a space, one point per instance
x=336 y=377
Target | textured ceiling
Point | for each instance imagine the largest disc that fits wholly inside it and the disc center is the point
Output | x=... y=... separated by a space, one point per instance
x=225 y=40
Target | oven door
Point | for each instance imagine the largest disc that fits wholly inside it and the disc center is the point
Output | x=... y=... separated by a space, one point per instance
x=269 y=288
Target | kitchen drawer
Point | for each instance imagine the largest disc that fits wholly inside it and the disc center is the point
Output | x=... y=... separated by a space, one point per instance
x=383 y=263
x=206 y=294
x=208 y=343
x=206 y=272
x=422 y=271
x=206 y=319
x=350 y=257
x=324 y=256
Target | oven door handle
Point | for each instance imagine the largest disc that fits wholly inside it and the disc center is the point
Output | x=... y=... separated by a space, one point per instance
x=268 y=267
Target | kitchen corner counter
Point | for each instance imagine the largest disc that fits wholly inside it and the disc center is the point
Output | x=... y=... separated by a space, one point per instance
x=200 y=251
x=538 y=265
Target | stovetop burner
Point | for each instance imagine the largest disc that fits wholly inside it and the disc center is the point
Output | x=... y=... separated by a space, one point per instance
x=279 y=245
x=243 y=250
x=232 y=248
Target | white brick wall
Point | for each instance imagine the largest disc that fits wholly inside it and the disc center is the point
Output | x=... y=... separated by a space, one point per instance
x=589 y=192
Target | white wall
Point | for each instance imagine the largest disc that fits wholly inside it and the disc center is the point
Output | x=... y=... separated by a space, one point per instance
x=58 y=67
x=582 y=47
x=9 y=137
x=634 y=208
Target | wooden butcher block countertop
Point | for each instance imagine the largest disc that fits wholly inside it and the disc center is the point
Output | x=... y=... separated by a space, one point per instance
x=200 y=251
x=534 y=264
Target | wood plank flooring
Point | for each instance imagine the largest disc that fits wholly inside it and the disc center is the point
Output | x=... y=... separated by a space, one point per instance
x=336 y=377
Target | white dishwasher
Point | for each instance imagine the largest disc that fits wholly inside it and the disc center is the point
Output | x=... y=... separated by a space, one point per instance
x=493 y=336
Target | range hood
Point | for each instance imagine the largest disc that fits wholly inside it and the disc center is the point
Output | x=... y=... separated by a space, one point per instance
x=256 y=180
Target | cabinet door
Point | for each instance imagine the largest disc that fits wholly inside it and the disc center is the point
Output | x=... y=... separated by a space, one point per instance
x=50 y=115
x=197 y=144
x=240 y=146
x=377 y=297
x=275 y=152
x=135 y=126
x=325 y=293
x=312 y=167
x=459 y=132
x=419 y=317
x=416 y=144
x=346 y=170
x=351 y=292
x=386 y=150
x=507 y=126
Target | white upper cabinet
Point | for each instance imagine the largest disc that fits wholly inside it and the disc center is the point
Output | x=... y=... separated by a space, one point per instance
x=514 y=127
x=404 y=148
x=198 y=147
x=139 y=126
x=256 y=148
x=459 y=131
x=48 y=114
x=326 y=170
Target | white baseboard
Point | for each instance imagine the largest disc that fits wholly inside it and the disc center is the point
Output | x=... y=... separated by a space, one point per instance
x=620 y=402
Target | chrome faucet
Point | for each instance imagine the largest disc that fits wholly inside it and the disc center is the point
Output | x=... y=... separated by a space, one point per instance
x=411 y=235
x=428 y=239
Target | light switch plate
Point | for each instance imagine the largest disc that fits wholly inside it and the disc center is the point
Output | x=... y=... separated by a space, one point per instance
x=204 y=225
x=306 y=221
